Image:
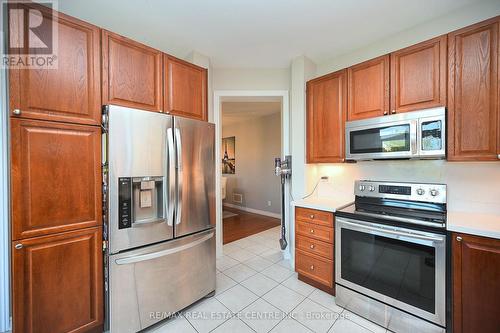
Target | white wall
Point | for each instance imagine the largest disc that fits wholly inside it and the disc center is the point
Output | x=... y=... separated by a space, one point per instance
x=258 y=142
x=472 y=186
x=452 y=21
x=251 y=79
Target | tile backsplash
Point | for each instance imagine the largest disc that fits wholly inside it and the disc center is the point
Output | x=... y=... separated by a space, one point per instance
x=472 y=186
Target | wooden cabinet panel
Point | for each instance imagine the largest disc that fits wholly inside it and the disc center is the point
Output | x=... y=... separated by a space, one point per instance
x=326 y=113
x=473 y=92
x=368 y=89
x=56 y=178
x=418 y=76
x=131 y=73
x=57 y=283
x=314 y=216
x=185 y=89
x=476 y=291
x=314 y=267
x=314 y=246
x=72 y=91
x=321 y=233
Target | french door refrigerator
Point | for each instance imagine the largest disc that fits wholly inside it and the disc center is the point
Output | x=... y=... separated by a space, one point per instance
x=159 y=199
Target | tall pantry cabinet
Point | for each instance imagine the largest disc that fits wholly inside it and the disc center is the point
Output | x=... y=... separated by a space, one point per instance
x=55 y=184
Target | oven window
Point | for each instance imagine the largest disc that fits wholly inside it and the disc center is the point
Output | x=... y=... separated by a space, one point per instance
x=381 y=140
x=401 y=270
x=432 y=135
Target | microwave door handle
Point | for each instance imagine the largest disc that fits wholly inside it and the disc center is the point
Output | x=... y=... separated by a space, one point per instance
x=414 y=137
x=171 y=177
x=178 y=144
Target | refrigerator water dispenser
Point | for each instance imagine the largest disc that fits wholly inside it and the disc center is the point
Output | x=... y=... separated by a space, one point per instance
x=140 y=200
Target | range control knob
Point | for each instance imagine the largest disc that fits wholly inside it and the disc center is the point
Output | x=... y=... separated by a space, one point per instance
x=420 y=191
x=434 y=192
x=362 y=187
x=371 y=188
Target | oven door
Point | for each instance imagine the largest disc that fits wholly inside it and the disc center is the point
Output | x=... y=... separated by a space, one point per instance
x=401 y=267
x=381 y=140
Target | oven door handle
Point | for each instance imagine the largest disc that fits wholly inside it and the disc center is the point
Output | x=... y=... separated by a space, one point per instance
x=394 y=232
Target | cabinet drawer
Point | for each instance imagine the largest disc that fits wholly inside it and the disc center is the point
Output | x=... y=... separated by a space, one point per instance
x=314 y=216
x=313 y=246
x=314 y=267
x=315 y=231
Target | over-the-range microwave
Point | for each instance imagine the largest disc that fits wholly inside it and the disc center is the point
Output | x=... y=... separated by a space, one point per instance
x=410 y=135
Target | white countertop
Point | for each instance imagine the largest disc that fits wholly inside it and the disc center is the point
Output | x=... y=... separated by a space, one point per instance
x=479 y=224
x=326 y=204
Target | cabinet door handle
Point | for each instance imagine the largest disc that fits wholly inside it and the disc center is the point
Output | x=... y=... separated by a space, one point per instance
x=312 y=267
x=459 y=239
x=393 y=111
x=17 y=112
x=386 y=113
x=311 y=216
x=312 y=231
x=18 y=246
x=498 y=156
x=312 y=246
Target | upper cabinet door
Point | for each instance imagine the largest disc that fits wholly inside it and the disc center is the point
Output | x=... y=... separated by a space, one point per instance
x=326 y=112
x=56 y=177
x=70 y=92
x=473 y=105
x=185 y=89
x=418 y=76
x=368 y=89
x=131 y=73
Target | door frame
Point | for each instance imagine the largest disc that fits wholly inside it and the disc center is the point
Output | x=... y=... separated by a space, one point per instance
x=219 y=96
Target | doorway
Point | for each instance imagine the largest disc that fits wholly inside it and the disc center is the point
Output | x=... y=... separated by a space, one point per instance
x=252 y=128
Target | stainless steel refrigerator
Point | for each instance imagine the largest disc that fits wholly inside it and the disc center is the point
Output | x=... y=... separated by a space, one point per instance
x=159 y=199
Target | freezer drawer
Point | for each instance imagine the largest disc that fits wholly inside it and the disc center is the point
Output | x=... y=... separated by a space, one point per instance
x=148 y=284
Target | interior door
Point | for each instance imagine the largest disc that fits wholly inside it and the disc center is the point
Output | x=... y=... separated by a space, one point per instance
x=195 y=144
x=138 y=154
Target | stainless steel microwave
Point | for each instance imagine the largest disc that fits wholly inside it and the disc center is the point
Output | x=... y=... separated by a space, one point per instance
x=410 y=135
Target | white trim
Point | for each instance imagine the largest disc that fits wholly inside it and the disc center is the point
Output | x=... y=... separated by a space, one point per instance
x=251 y=210
x=285 y=150
x=5 y=322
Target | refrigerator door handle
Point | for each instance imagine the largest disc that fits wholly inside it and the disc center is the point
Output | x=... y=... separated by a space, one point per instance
x=154 y=255
x=178 y=143
x=171 y=177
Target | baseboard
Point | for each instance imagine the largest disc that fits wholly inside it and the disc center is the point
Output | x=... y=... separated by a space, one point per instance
x=251 y=210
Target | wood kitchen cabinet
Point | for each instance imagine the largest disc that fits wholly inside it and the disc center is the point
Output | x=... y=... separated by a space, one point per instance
x=418 y=76
x=314 y=248
x=71 y=92
x=326 y=114
x=55 y=177
x=476 y=288
x=368 y=89
x=185 y=89
x=131 y=73
x=57 y=283
x=473 y=93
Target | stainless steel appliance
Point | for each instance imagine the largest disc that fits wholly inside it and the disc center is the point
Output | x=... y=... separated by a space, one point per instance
x=410 y=135
x=391 y=255
x=159 y=208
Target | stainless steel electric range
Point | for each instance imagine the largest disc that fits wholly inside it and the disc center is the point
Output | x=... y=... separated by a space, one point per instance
x=392 y=256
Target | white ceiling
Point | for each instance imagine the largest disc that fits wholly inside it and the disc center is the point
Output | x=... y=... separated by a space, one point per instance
x=234 y=112
x=259 y=33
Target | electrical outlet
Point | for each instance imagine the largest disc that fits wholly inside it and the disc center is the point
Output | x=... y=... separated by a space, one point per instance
x=269 y=203
x=324 y=179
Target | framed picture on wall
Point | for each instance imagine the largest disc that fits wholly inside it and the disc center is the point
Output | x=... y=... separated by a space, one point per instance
x=228 y=159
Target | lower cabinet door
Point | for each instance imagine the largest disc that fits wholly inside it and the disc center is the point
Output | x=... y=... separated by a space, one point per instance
x=58 y=283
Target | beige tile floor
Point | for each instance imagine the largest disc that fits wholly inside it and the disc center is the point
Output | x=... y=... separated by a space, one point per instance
x=257 y=291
